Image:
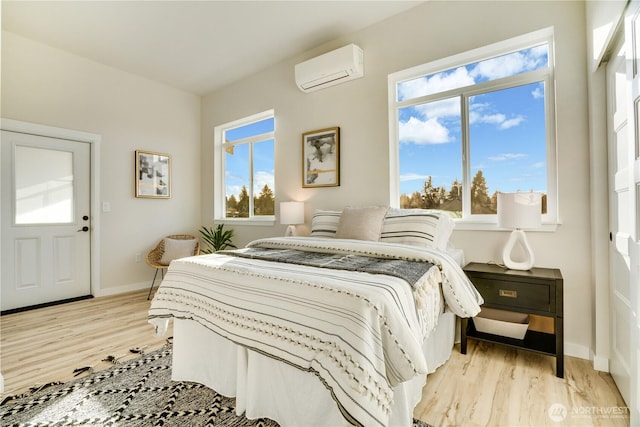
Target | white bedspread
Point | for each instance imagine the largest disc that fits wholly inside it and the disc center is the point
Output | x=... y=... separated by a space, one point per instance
x=360 y=333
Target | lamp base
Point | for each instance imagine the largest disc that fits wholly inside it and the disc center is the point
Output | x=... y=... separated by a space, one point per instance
x=518 y=237
x=291 y=231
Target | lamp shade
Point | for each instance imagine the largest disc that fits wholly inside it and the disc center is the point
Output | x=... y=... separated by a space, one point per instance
x=291 y=213
x=519 y=210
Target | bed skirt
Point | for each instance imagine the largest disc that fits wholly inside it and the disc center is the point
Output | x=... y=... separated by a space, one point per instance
x=266 y=388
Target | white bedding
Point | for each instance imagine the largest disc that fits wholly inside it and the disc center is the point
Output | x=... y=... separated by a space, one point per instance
x=266 y=388
x=360 y=333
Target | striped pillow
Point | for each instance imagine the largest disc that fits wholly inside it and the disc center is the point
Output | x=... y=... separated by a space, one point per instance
x=325 y=223
x=417 y=227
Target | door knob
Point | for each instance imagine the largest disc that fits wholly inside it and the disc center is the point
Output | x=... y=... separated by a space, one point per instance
x=86 y=217
x=85 y=229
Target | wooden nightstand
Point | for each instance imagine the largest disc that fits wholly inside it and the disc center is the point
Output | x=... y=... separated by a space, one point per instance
x=537 y=291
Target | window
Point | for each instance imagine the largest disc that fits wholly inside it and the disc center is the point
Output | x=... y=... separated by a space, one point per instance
x=469 y=126
x=244 y=165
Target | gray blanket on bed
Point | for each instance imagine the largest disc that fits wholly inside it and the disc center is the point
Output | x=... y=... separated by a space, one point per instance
x=410 y=271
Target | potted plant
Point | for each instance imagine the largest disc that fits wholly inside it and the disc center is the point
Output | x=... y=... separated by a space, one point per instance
x=216 y=238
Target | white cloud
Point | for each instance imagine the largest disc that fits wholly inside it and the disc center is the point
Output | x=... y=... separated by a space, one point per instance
x=537 y=93
x=539 y=53
x=440 y=109
x=233 y=190
x=499 y=67
x=458 y=77
x=234 y=183
x=489 y=69
x=429 y=131
x=509 y=65
x=509 y=123
x=262 y=178
x=507 y=156
x=495 y=119
x=476 y=115
x=413 y=177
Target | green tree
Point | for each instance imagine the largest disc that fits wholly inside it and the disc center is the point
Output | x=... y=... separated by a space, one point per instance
x=442 y=195
x=232 y=206
x=243 y=203
x=416 y=200
x=430 y=195
x=480 y=201
x=405 y=201
x=456 y=190
x=264 y=204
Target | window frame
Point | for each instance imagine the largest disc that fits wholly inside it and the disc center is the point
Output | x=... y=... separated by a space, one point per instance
x=219 y=167
x=477 y=221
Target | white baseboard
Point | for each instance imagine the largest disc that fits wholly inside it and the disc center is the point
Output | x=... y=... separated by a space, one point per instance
x=575 y=350
x=104 y=292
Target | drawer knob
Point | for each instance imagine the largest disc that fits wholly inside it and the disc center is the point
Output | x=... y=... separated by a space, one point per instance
x=508 y=293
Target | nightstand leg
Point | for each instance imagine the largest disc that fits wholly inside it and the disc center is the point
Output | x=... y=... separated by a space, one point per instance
x=463 y=335
x=559 y=347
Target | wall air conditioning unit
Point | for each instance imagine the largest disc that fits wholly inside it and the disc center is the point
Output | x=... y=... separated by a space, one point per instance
x=332 y=68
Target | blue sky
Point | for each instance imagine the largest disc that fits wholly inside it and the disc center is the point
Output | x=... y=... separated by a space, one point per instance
x=237 y=165
x=507 y=127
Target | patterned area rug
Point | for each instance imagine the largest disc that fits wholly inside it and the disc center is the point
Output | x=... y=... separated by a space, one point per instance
x=134 y=393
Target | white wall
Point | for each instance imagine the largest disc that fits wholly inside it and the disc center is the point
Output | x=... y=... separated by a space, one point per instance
x=51 y=87
x=428 y=32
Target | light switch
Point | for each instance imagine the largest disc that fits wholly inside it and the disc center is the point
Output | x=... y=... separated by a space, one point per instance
x=106 y=206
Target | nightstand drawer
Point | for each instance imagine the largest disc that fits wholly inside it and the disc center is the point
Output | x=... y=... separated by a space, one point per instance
x=530 y=296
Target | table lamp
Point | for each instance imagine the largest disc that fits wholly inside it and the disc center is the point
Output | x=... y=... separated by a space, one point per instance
x=291 y=213
x=518 y=211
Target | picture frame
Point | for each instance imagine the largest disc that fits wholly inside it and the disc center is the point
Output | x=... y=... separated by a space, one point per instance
x=153 y=175
x=321 y=158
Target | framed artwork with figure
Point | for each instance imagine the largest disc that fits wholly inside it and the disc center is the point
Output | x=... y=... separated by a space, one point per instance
x=153 y=175
x=321 y=158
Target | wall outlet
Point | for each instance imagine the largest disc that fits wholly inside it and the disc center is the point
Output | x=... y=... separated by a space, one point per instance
x=138 y=257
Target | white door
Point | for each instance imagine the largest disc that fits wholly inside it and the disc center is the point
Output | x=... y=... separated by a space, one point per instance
x=623 y=93
x=45 y=215
x=619 y=220
x=632 y=36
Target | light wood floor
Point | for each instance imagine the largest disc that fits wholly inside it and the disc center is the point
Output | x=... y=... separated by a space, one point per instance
x=494 y=385
x=489 y=386
x=47 y=344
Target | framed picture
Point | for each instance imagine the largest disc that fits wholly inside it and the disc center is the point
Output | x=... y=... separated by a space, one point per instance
x=153 y=175
x=321 y=158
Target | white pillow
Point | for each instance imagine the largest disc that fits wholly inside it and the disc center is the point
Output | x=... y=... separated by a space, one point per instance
x=361 y=223
x=417 y=227
x=177 y=248
x=325 y=223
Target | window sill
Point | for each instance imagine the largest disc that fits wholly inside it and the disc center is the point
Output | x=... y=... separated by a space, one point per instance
x=267 y=221
x=485 y=226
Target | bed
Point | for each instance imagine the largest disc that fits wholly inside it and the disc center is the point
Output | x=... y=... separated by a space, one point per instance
x=337 y=328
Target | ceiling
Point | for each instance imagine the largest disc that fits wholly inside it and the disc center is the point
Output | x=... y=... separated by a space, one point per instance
x=196 y=46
